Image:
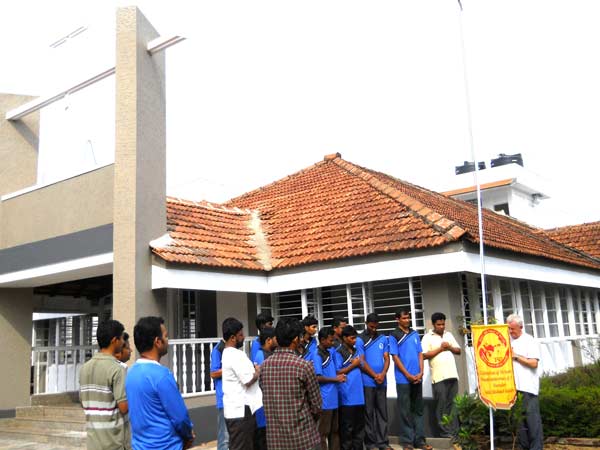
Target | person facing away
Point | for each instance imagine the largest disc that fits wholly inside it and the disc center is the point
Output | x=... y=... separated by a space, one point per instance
x=241 y=394
x=216 y=374
x=406 y=351
x=308 y=342
x=263 y=320
x=439 y=347
x=338 y=323
x=102 y=390
x=158 y=416
x=292 y=398
x=526 y=367
x=123 y=357
x=323 y=360
x=268 y=342
x=375 y=361
x=352 y=396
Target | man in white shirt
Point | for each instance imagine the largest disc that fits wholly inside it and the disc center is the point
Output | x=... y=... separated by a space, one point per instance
x=241 y=394
x=439 y=347
x=526 y=357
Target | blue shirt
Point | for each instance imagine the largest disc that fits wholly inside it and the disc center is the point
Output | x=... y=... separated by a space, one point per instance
x=259 y=415
x=255 y=347
x=310 y=349
x=158 y=416
x=215 y=364
x=351 y=391
x=323 y=360
x=407 y=347
x=373 y=349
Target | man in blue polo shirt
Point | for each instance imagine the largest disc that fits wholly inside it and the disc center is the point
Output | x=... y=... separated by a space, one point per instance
x=216 y=374
x=308 y=342
x=373 y=347
x=323 y=360
x=406 y=351
x=352 y=397
x=268 y=342
x=263 y=320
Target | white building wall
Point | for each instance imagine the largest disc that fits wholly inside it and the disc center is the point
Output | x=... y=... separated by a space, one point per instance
x=232 y=304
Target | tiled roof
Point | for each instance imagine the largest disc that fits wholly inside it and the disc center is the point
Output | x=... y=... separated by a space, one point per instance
x=335 y=210
x=584 y=237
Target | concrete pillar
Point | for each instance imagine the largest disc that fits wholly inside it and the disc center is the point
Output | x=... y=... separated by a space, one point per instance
x=140 y=168
x=232 y=304
x=16 y=309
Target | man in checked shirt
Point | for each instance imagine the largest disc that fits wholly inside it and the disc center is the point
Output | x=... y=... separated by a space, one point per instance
x=291 y=394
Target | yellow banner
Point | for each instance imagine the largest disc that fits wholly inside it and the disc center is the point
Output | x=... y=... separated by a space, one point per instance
x=493 y=360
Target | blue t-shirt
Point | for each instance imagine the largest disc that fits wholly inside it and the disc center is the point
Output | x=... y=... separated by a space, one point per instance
x=215 y=364
x=407 y=347
x=255 y=347
x=310 y=349
x=373 y=349
x=259 y=415
x=158 y=416
x=351 y=391
x=324 y=363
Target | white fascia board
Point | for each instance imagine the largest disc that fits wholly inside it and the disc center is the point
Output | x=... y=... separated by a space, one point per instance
x=453 y=262
x=75 y=269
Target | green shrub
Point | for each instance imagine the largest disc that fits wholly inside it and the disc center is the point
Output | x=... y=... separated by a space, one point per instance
x=574 y=378
x=570 y=412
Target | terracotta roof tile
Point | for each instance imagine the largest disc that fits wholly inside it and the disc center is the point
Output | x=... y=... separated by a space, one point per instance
x=335 y=210
x=584 y=237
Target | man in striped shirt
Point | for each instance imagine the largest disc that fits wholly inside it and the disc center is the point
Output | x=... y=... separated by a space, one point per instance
x=102 y=390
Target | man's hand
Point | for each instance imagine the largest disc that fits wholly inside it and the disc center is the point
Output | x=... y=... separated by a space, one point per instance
x=341 y=378
x=257 y=368
x=379 y=378
x=416 y=379
x=188 y=444
x=446 y=346
x=355 y=362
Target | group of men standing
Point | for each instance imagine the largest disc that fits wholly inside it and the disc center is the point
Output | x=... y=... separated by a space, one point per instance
x=303 y=389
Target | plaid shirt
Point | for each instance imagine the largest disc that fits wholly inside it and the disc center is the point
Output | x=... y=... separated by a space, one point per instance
x=292 y=401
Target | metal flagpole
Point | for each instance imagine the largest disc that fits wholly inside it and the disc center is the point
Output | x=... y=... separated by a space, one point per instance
x=478 y=190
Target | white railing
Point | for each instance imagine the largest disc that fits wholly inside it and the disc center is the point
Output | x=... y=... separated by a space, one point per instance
x=56 y=369
x=190 y=363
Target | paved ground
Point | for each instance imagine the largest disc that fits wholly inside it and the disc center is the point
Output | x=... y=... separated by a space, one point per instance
x=6 y=444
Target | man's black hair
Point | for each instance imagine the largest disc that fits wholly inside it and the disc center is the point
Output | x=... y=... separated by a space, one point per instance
x=145 y=331
x=309 y=320
x=349 y=331
x=372 y=318
x=437 y=316
x=337 y=320
x=401 y=312
x=126 y=336
x=262 y=319
x=266 y=333
x=287 y=330
x=108 y=330
x=231 y=327
x=325 y=332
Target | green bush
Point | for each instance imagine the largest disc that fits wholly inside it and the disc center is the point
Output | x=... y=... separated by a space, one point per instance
x=574 y=378
x=570 y=412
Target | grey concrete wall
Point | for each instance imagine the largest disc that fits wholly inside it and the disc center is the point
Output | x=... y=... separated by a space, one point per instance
x=16 y=309
x=441 y=293
x=19 y=141
x=140 y=167
x=79 y=203
x=232 y=304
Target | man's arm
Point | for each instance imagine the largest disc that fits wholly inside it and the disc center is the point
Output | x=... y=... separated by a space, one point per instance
x=118 y=386
x=174 y=407
x=386 y=365
x=532 y=363
x=402 y=369
x=216 y=374
x=345 y=370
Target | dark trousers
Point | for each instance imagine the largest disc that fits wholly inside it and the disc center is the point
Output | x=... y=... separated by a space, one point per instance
x=410 y=413
x=329 y=429
x=260 y=438
x=531 y=434
x=241 y=431
x=444 y=392
x=352 y=427
x=376 y=418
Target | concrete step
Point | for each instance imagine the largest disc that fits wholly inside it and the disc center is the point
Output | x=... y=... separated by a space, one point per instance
x=45 y=423
x=75 y=439
x=71 y=412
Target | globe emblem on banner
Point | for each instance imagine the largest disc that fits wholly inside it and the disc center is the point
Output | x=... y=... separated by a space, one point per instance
x=494 y=350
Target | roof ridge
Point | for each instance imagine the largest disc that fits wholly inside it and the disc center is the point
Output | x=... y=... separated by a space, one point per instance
x=260 y=242
x=567 y=227
x=447 y=227
x=209 y=205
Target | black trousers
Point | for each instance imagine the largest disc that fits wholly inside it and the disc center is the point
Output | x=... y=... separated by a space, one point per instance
x=241 y=431
x=352 y=427
x=260 y=438
x=444 y=392
x=329 y=429
x=410 y=414
x=376 y=417
x=531 y=434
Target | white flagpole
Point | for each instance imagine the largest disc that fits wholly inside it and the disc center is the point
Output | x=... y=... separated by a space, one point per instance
x=478 y=190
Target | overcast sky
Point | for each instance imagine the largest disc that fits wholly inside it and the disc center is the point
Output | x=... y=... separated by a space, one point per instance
x=262 y=89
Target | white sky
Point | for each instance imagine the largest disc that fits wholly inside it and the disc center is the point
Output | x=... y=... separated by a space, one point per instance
x=262 y=89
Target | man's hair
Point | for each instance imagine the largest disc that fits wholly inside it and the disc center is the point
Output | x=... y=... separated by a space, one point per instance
x=337 y=320
x=126 y=336
x=348 y=331
x=262 y=319
x=267 y=333
x=145 y=331
x=309 y=320
x=372 y=318
x=437 y=316
x=325 y=332
x=287 y=330
x=231 y=327
x=401 y=312
x=515 y=318
x=108 y=330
